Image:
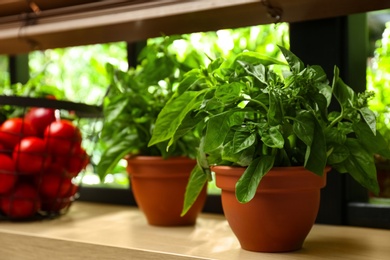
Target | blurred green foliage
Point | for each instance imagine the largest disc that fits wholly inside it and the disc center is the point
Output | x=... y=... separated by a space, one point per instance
x=378 y=80
x=78 y=71
x=4 y=74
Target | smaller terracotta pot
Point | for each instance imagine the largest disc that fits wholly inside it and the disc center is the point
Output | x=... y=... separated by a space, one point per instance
x=281 y=214
x=383 y=176
x=159 y=186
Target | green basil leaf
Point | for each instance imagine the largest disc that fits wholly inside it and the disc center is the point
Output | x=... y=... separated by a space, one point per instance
x=263 y=98
x=115 y=152
x=326 y=91
x=335 y=135
x=192 y=79
x=196 y=183
x=372 y=143
x=255 y=58
x=319 y=74
x=340 y=167
x=258 y=71
x=369 y=117
x=304 y=126
x=217 y=129
x=344 y=94
x=115 y=108
x=228 y=93
x=215 y=64
x=275 y=111
x=361 y=166
x=339 y=154
x=242 y=140
x=172 y=115
x=214 y=105
x=293 y=61
x=190 y=121
x=246 y=156
x=273 y=137
x=242 y=158
x=322 y=104
x=248 y=183
x=308 y=129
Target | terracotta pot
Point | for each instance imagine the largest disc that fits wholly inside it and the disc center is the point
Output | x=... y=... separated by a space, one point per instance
x=383 y=176
x=159 y=185
x=281 y=214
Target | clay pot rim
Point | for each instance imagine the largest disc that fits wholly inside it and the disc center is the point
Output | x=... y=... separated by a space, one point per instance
x=277 y=179
x=275 y=170
x=158 y=163
x=156 y=159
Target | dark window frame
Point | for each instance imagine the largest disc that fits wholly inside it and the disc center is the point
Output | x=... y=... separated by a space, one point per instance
x=341 y=41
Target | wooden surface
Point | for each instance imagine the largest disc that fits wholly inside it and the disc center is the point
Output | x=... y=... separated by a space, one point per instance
x=98 y=231
x=16 y=7
x=134 y=21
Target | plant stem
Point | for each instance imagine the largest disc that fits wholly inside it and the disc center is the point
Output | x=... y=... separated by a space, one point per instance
x=336 y=120
x=264 y=150
x=258 y=102
x=291 y=118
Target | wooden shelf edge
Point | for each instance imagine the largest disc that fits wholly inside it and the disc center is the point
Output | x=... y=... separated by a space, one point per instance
x=137 y=22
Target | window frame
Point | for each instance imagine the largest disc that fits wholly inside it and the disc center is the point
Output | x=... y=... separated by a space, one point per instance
x=343 y=41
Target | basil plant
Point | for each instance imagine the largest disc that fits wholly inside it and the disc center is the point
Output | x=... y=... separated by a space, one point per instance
x=257 y=112
x=135 y=99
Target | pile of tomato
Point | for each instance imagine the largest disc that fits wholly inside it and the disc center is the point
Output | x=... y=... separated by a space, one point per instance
x=40 y=155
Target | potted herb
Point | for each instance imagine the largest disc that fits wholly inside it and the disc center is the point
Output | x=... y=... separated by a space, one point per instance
x=259 y=117
x=133 y=102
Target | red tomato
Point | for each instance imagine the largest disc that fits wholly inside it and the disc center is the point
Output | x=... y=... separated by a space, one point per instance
x=31 y=155
x=73 y=191
x=74 y=163
x=54 y=185
x=57 y=204
x=55 y=168
x=7 y=174
x=4 y=150
x=78 y=161
x=40 y=118
x=13 y=130
x=22 y=202
x=62 y=137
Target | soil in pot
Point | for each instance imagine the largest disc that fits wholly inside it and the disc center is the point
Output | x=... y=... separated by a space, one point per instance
x=159 y=186
x=281 y=214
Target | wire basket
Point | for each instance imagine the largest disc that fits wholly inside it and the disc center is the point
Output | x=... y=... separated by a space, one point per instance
x=45 y=146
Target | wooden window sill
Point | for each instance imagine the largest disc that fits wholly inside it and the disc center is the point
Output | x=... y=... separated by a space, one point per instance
x=101 y=231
